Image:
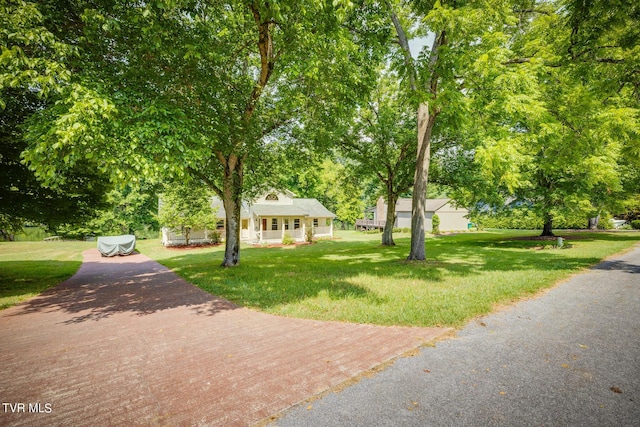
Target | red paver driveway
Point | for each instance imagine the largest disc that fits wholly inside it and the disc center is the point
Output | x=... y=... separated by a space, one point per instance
x=127 y=342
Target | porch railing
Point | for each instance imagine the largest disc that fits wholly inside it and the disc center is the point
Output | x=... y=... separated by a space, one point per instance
x=369 y=223
x=322 y=231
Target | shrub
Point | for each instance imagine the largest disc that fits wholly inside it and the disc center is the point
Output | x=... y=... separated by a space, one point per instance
x=215 y=237
x=435 y=222
x=402 y=230
x=635 y=224
x=287 y=239
x=309 y=235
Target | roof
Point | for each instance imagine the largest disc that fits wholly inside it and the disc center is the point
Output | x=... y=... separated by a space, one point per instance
x=431 y=205
x=300 y=207
x=313 y=208
x=278 y=210
x=216 y=203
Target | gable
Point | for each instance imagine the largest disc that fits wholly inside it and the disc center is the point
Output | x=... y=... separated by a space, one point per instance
x=275 y=197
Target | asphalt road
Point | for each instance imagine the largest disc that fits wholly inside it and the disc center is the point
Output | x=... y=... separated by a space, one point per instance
x=570 y=357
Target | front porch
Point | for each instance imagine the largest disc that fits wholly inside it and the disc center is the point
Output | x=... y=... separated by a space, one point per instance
x=273 y=229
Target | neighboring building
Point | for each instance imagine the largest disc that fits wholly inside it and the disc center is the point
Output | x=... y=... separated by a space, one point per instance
x=267 y=219
x=451 y=218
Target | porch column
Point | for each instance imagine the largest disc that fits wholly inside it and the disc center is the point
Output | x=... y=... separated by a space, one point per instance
x=260 y=222
x=331 y=227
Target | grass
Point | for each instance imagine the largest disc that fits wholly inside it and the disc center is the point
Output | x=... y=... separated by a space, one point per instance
x=352 y=278
x=355 y=279
x=28 y=268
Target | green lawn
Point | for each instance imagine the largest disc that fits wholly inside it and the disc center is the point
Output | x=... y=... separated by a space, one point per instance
x=352 y=278
x=28 y=268
x=355 y=279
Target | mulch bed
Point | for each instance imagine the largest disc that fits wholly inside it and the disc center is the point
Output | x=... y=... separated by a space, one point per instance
x=193 y=246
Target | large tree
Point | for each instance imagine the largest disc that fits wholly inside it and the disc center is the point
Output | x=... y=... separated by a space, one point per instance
x=32 y=68
x=383 y=143
x=439 y=77
x=211 y=90
x=22 y=197
x=566 y=144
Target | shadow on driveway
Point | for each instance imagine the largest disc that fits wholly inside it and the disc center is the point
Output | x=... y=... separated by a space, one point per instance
x=127 y=342
x=135 y=284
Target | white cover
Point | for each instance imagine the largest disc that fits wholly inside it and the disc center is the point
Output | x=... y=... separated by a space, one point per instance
x=117 y=245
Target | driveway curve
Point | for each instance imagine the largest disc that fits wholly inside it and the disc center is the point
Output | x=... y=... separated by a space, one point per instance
x=569 y=357
x=125 y=341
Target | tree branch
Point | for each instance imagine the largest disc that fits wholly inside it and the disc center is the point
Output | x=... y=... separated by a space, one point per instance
x=267 y=60
x=404 y=45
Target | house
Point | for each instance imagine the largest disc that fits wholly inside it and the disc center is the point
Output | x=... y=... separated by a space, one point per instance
x=451 y=218
x=266 y=220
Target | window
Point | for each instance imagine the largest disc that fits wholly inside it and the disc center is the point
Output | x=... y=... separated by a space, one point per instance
x=220 y=225
x=315 y=222
x=272 y=197
x=296 y=223
x=286 y=223
x=274 y=223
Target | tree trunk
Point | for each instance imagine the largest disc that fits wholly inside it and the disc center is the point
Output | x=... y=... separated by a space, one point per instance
x=232 y=233
x=425 y=126
x=547 y=229
x=387 y=234
x=593 y=222
x=232 y=202
x=187 y=235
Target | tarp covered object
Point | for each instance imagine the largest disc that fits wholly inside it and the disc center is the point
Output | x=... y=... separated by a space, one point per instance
x=116 y=245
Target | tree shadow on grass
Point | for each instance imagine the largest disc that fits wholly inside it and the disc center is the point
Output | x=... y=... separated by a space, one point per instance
x=345 y=272
x=272 y=277
x=18 y=278
x=103 y=288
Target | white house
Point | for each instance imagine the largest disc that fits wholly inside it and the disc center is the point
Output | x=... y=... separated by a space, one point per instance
x=451 y=218
x=267 y=219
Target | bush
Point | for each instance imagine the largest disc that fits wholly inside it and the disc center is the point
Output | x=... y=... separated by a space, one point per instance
x=215 y=237
x=309 y=235
x=287 y=239
x=372 y=231
x=635 y=224
x=435 y=224
x=402 y=230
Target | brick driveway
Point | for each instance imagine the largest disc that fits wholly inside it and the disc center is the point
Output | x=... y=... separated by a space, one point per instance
x=127 y=342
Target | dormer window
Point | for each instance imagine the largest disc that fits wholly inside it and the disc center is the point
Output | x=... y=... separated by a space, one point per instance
x=272 y=197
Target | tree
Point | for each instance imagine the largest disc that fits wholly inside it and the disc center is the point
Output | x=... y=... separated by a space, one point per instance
x=22 y=197
x=209 y=90
x=562 y=151
x=335 y=185
x=130 y=210
x=187 y=207
x=383 y=142
x=32 y=68
x=343 y=191
x=462 y=33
